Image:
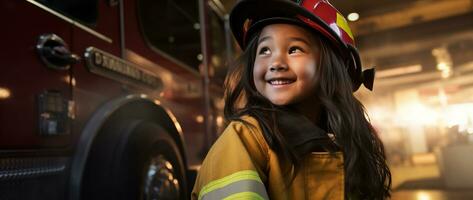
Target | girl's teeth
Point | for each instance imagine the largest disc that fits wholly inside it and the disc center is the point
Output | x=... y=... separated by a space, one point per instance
x=279 y=82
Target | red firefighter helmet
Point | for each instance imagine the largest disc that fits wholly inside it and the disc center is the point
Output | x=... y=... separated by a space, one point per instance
x=249 y=16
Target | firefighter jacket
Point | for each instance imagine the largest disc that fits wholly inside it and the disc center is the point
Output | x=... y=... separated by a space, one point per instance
x=241 y=165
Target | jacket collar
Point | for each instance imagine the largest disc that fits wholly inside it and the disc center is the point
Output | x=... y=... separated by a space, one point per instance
x=302 y=134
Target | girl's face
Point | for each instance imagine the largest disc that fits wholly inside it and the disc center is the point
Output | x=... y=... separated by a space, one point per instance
x=285 y=66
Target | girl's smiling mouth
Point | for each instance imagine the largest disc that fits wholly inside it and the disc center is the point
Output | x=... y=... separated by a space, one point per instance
x=280 y=81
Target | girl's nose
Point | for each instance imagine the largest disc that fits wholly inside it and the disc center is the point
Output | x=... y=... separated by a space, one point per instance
x=278 y=66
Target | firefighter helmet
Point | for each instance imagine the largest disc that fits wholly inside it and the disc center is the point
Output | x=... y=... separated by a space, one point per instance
x=249 y=16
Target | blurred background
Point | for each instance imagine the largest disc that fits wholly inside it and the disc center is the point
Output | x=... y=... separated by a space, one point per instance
x=422 y=103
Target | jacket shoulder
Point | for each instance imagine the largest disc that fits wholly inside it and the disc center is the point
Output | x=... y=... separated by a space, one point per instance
x=241 y=148
x=251 y=135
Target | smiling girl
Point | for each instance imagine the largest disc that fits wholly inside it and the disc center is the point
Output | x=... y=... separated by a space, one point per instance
x=296 y=131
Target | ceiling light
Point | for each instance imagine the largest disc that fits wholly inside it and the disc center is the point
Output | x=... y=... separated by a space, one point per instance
x=353 y=16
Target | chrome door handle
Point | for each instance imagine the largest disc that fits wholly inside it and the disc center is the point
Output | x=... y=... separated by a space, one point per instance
x=54 y=53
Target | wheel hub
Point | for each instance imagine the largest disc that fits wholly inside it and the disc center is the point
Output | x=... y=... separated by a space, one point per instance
x=160 y=180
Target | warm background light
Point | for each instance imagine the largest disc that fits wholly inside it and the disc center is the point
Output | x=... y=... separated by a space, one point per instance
x=199 y=118
x=4 y=93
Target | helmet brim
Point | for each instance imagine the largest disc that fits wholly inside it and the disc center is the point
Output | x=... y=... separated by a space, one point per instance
x=275 y=11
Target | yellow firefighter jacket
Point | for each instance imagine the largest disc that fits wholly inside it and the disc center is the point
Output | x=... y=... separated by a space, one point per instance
x=241 y=165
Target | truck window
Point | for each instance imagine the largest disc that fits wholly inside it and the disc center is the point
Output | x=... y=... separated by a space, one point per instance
x=84 y=11
x=172 y=27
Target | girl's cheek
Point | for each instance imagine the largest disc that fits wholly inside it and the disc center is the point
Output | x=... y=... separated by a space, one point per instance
x=309 y=67
x=258 y=69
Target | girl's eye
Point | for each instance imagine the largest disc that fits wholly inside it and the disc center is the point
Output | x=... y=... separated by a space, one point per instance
x=264 y=51
x=295 y=50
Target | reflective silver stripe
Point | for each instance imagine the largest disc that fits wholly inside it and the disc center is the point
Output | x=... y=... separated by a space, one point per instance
x=237 y=187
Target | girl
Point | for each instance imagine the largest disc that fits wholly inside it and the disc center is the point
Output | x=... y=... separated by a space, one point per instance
x=296 y=131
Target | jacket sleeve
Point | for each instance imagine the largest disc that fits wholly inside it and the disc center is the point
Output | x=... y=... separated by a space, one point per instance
x=236 y=165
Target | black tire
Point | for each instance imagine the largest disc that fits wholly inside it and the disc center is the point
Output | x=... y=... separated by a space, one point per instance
x=119 y=164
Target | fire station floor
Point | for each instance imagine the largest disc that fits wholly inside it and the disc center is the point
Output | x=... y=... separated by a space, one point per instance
x=423 y=182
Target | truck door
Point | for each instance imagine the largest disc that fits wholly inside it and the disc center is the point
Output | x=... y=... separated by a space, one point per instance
x=99 y=29
x=35 y=82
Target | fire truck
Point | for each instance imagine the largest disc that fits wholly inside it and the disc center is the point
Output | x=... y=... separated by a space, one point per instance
x=109 y=99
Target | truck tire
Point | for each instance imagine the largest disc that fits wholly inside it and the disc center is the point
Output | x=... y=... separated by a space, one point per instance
x=142 y=162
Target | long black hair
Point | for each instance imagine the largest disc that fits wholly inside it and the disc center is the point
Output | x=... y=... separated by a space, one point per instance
x=367 y=175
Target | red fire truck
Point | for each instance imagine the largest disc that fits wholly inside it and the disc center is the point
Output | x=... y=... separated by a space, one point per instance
x=108 y=99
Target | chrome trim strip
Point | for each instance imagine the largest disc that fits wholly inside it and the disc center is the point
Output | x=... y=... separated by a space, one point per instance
x=122 y=28
x=203 y=8
x=71 y=21
x=217 y=7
